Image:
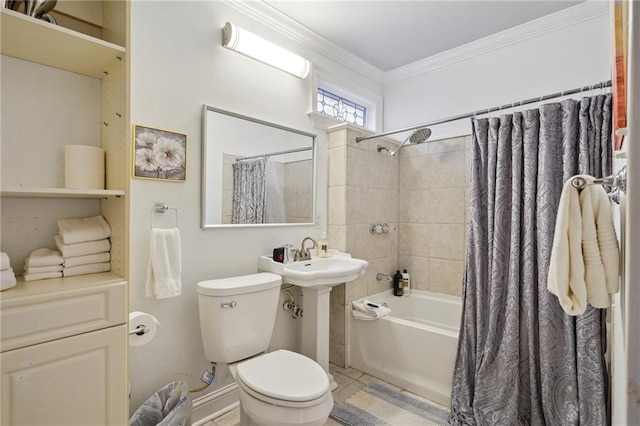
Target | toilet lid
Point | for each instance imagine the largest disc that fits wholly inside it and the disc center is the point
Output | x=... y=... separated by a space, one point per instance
x=284 y=375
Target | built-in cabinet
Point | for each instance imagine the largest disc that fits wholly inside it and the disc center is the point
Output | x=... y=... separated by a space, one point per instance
x=63 y=341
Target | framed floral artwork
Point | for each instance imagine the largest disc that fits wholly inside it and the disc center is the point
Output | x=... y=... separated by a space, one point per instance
x=159 y=154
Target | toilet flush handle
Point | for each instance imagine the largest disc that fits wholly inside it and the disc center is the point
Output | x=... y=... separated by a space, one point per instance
x=229 y=305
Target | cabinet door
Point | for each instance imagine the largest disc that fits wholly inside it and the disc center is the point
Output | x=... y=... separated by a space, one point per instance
x=79 y=380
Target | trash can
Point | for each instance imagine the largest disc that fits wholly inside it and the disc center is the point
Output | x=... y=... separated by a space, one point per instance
x=170 y=406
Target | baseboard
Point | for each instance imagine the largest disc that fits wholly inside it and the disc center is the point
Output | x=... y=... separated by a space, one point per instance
x=214 y=404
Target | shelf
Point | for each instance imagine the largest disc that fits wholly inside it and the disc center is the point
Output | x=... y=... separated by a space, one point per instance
x=55 y=285
x=35 y=40
x=21 y=192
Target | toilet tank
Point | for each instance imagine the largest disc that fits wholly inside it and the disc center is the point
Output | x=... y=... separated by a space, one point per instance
x=237 y=315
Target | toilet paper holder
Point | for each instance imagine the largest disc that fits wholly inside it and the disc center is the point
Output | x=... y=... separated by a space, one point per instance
x=139 y=330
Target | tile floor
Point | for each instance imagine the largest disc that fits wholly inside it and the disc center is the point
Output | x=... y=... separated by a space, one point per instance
x=349 y=382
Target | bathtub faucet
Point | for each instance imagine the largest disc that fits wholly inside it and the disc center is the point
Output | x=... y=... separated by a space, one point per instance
x=383 y=277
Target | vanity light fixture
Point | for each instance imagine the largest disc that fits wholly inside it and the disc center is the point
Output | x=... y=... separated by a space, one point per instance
x=249 y=44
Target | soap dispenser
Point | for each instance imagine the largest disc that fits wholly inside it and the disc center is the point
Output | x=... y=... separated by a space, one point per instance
x=323 y=246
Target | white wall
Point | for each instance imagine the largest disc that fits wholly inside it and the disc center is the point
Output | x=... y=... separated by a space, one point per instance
x=177 y=65
x=566 y=50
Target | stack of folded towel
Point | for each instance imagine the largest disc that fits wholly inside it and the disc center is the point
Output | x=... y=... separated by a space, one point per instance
x=8 y=277
x=366 y=310
x=43 y=263
x=84 y=244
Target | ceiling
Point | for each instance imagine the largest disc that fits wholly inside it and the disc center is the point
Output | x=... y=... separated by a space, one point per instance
x=391 y=33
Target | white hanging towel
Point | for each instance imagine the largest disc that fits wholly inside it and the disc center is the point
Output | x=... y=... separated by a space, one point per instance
x=584 y=257
x=164 y=275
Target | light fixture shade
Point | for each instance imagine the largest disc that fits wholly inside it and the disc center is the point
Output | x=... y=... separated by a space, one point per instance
x=249 y=44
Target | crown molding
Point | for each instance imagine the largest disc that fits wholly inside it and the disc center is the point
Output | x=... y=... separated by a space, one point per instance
x=565 y=18
x=281 y=23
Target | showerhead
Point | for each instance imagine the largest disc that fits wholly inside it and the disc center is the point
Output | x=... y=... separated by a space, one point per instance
x=417 y=137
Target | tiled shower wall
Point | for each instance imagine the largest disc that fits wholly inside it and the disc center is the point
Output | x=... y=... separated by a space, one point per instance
x=433 y=213
x=422 y=194
x=298 y=191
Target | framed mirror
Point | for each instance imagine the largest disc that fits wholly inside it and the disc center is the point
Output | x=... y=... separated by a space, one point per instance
x=255 y=173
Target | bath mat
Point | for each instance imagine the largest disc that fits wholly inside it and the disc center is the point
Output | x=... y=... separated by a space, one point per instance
x=378 y=405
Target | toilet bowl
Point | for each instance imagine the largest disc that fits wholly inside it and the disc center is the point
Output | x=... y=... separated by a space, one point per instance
x=237 y=316
x=282 y=388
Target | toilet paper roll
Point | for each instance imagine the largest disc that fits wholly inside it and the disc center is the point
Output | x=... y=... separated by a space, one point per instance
x=83 y=167
x=138 y=319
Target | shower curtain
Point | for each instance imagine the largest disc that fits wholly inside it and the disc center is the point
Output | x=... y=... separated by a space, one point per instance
x=521 y=360
x=249 y=191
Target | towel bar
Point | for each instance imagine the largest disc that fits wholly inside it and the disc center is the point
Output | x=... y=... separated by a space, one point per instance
x=162 y=208
x=617 y=182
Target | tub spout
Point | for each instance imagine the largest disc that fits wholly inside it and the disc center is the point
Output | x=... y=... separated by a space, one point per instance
x=383 y=277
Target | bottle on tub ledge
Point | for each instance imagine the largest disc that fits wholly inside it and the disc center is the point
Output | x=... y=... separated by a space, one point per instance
x=405 y=283
x=397 y=282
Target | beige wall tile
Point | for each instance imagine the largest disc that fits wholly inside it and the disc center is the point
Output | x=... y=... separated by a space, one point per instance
x=383 y=171
x=337 y=353
x=337 y=236
x=421 y=204
x=444 y=206
x=410 y=172
x=337 y=294
x=447 y=241
x=445 y=276
x=467 y=167
x=337 y=205
x=336 y=323
x=414 y=240
x=444 y=170
x=357 y=167
x=304 y=206
x=356 y=289
x=358 y=240
x=446 y=145
x=337 y=138
x=337 y=159
x=227 y=177
x=357 y=205
x=381 y=206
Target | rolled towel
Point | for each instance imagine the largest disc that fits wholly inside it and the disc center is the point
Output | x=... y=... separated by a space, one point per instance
x=42 y=276
x=92 y=268
x=81 y=230
x=70 y=262
x=82 y=249
x=7 y=279
x=41 y=269
x=6 y=263
x=367 y=310
x=43 y=257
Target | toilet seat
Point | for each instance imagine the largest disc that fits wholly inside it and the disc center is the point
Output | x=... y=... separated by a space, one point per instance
x=284 y=378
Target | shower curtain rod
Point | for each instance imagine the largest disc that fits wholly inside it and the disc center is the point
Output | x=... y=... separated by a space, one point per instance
x=288 y=151
x=601 y=85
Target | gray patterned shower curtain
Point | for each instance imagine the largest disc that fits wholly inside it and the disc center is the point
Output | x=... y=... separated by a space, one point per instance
x=521 y=360
x=249 y=191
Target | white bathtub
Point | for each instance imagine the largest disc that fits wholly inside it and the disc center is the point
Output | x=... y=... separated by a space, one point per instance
x=414 y=347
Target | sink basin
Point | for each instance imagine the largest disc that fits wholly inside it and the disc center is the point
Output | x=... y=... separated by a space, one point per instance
x=336 y=269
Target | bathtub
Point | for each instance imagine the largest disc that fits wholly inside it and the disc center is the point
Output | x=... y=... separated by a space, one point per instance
x=414 y=347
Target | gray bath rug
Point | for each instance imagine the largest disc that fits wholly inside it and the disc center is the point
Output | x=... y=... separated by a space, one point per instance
x=380 y=405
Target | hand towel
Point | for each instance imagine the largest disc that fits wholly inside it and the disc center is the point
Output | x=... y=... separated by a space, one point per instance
x=85 y=229
x=92 y=268
x=7 y=279
x=82 y=249
x=41 y=269
x=70 y=262
x=367 y=310
x=42 y=276
x=43 y=257
x=584 y=256
x=599 y=246
x=5 y=262
x=164 y=274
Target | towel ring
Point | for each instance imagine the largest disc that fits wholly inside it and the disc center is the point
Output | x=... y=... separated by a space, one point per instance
x=162 y=208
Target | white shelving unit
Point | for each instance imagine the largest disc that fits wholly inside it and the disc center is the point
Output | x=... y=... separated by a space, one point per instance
x=87 y=314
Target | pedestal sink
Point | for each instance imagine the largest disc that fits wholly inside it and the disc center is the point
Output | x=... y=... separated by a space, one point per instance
x=316 y=277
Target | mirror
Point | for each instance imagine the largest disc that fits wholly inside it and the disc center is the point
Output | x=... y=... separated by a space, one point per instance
x=255 y=173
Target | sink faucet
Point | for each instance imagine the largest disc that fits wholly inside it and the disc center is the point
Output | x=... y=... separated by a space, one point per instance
x=303 y=253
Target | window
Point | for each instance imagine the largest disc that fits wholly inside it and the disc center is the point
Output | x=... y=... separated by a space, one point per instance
x=341 y=108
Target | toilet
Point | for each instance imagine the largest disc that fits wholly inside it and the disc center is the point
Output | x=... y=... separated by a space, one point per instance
x=237 y=317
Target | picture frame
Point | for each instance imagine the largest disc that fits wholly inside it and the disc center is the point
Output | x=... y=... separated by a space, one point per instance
x=159 y=154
